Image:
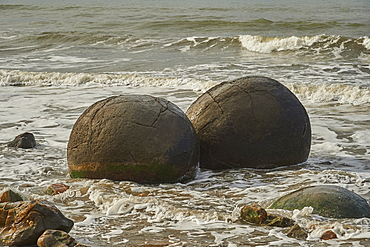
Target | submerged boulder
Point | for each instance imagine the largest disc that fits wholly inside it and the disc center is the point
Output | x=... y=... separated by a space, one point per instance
x=25 y=140
x=253 y=122
x=22 y=223
x=139 y=138
x=326 y=200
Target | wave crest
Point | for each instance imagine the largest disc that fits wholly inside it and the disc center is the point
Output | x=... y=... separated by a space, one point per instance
x=317 y=43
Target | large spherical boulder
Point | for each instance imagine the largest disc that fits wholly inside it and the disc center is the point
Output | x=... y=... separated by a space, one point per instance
x=253 y=122
x=326 y=200
x=133 y=137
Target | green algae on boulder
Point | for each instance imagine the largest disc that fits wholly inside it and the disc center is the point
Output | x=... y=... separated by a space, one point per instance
x=326 y=200
x=138 y=138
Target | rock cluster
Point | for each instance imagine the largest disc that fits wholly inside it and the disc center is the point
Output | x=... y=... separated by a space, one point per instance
x=22 y=223
x=253 y=122
x=138 y=138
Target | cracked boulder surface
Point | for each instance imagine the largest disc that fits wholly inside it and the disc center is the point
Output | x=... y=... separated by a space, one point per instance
x=326 y=200
x=250 y=122
x=137 y=138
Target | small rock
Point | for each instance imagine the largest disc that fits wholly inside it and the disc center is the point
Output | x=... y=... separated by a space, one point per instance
x=258 y=215
x=329 y=234
x=25 y=140
x=56 y=189
x=297 y=232
x=22 y=223
x=57 y=238
x=275 y=220
x=10 y=196
x=253 y=214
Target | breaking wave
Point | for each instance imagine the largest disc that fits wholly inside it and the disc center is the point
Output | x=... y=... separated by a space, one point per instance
x=315 y=92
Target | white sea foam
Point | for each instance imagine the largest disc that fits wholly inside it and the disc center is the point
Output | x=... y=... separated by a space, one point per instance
x=269 y=44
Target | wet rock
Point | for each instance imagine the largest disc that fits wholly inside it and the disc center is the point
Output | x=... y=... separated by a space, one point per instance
x=57 y=238
x=22 y=223
x=253 y=122
x=257 y=215
x=329 y=234
x=133 y=137
x=55 y=189
x=10 y=196
x=297 y=232
x=281 y=221
x=25 y=140
x=326 y=200
x=253 y=214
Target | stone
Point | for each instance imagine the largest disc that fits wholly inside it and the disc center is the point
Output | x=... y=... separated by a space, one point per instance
x=137 y=138
x=25 y=140
x=10 y=196
x=297 y=232
x=55 y=189
x=329 y=234
x=250 y=122
x=326 y=200
x=22 y=223
x=57 y=238
x=257 y=215
x=253 y=214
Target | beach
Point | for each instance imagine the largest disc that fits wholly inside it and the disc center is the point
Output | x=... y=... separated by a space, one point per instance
x=58 y=58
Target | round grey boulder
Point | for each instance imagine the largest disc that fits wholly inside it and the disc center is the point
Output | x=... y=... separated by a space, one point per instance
x=251 y=122
x=326 y=200
x=133 y=137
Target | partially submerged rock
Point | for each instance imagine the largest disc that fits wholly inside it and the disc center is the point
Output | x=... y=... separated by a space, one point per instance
x=257 y=215
x=297 y=232
x=55 y=189
x=25 y=140
x=10 y=196
x=22 y=223
x=326 y=200
x=57 y=238
x=252 y=122
x=139 y=138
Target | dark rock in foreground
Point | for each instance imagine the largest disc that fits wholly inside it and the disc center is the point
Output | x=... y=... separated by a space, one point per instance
x=253 y=122
x=25 y=140
x=22 y=223
x=133 y=137
x=326 y=200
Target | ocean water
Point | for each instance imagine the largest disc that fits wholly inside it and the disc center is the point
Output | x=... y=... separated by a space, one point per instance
x=59 y=57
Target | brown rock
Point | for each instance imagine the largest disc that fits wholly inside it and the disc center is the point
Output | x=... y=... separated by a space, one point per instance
x=133 y=137
x=251 y=122
x=25 y=140
x=22 y=223
x=329 y=234
x=253 y=214
x=297 y=232
x=56 y=189
x=57 y=238
x=10 y=196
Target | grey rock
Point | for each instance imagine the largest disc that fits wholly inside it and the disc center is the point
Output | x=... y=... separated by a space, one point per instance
x=326 y=200
x=133 y=137
x=25 y=140
x=252 y=122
